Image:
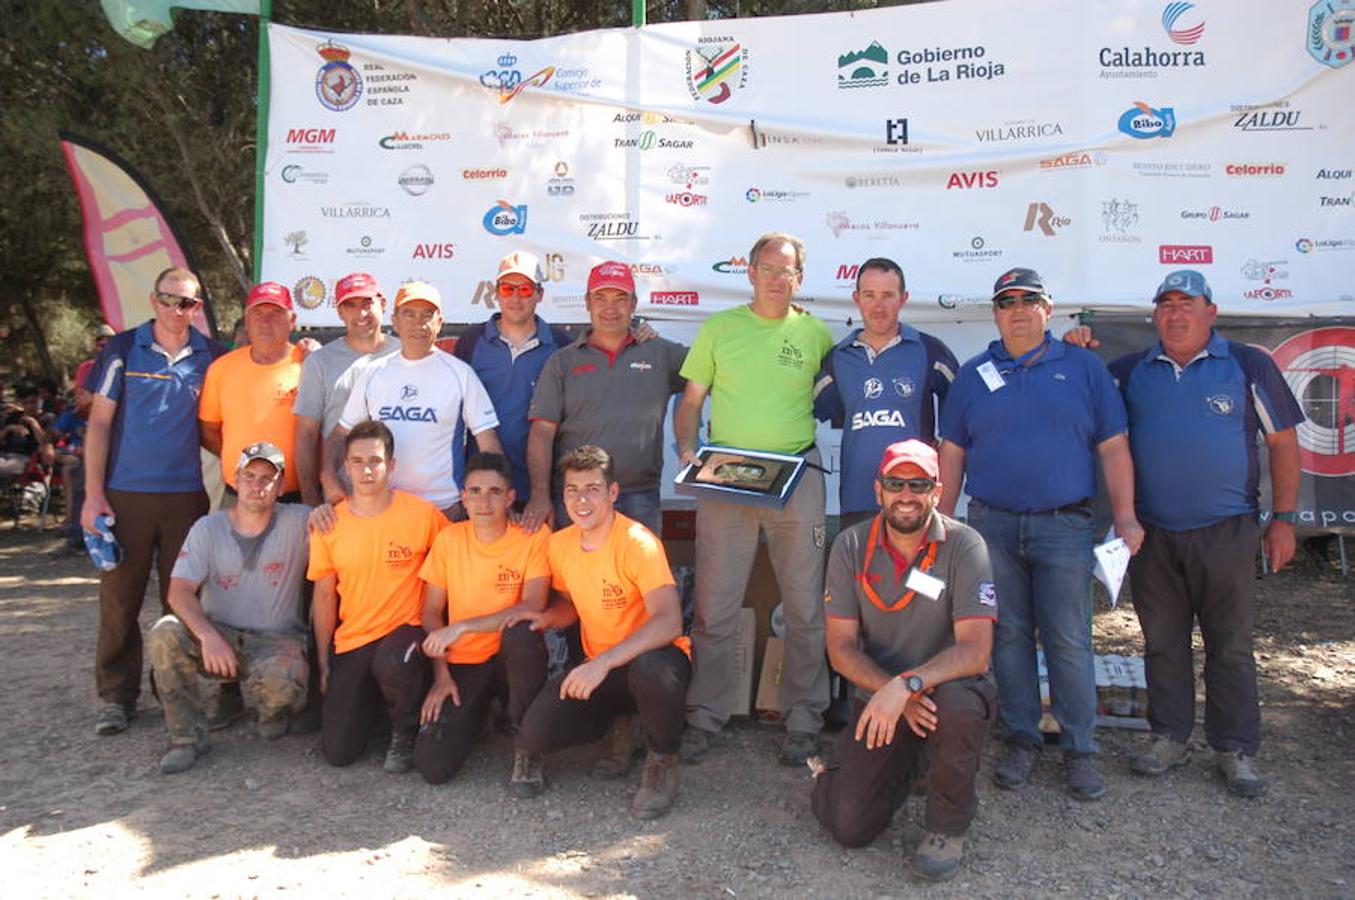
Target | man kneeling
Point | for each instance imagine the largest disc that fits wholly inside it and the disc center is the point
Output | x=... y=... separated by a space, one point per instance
x=909 y=618
x=479 y=573
x=612 y=576
x=249 y=562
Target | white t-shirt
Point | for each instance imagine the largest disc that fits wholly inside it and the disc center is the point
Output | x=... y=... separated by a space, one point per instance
x=428 y=404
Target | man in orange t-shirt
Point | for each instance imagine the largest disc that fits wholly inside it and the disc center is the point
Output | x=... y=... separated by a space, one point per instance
x=478 y=574
x=247 y=394
x=612 y=577
x=367 y=604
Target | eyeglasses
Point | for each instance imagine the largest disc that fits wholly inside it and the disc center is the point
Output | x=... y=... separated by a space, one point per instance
x=892 y=484
x=767 y=271
x=509 y=291
x=1006 y=301
x=174 y=301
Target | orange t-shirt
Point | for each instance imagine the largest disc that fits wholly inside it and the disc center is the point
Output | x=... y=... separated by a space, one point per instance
x=482 y=579
x=377 y=562
x=608 y=585
x=253 y=403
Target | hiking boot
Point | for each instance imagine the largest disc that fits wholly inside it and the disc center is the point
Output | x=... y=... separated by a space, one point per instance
x=223 y=707
x=618 y=748
x=114 y=718
x=937 y=858
x=1163 y=754
x=797 y=747
x=273 y=727
x=696 y=743
x=527 y=780
x=1082 y=778
x=1016 y=766
x=1243 y=779
x=182 y=757
x=400 y=754
x=658 y=786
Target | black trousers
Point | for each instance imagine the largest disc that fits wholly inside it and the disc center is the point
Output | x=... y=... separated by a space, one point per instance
x=654 y=684
x=392 y=672
x=1209 y=575
x=857 y=800
x=514 y=674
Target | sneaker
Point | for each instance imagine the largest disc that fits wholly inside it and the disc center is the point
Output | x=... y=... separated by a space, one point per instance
x=658 y=786
x=696 y=743
x=114 y=718
x=937 y=858
x=528 y=780
x=182 y=757
x=618 y=748
x=273 y=727
x=1016 y=766
x=1163 y=754
x=400 y=754
x=1082 y=778
x=1243 y=779
x=797 y=747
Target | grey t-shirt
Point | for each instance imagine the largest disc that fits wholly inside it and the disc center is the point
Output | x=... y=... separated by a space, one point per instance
x=249 y=583
x=900 y=636
x=328 y=376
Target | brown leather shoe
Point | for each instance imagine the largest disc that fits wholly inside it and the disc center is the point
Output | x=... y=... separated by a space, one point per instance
x=618 y=748
x=658 y=786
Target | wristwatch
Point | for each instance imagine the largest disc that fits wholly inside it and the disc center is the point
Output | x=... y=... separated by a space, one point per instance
x=1291 y=517
x=913 y=682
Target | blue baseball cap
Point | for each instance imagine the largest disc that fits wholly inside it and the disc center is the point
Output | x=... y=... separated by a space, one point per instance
x=104 y=550
x=1185 y=281
x=1020 y=280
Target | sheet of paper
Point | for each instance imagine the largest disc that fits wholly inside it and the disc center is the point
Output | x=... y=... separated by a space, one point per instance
x=1112 y=562
x=991 y=376
x=928 y=586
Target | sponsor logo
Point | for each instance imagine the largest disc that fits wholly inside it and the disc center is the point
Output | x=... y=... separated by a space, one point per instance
x=296 y=240
x=366 y=247
x=647 y=117
x=503 y=218
x=773 y=195
x=442 y=250
x=966 y=180
x=1267 y=272
x=1219 y=404
x=1331 y=32
x=903 y=386
x=977 y=251
x=309 y=140
x=650 y=270
x=309 y=292
x=484 y=174
x=1215 y=214
x=864 y=182
x=1180 y=27
x=895 y=138
x=847 y=272
x=1079 y=159
x=675 y=298
x=1333 y=174
x=406 y=140
x=963 y=64
x=689 y=176
x=735 y=265
x=762 y=138
x=877 y=418
x=1185 y=254
x=641 y=366
x=573 y=81
x=1184 y=28
x=953 y=301
x=1308 y=245
x=1324 y=200
x=560 y=185
x=355 y=211
x=873 y=388
x=864 y=68
x=417 y=180
x=614 y=227
x=294 y=174
x=407 y=414
x=650 y=140
x=1142 y=122
x=1029 y=130
x=1277 y=116
x=505 y=134
x=386 y=88
x=1040 y=215
x=1119 y=222
x=338 y=86
x=1319 y=366
x=716 y=69
x=1254 y=170
x=987 y=594
x=790 y=356
x=841 y=223
x=409 y=392
x=1173 y=169
x=507 y=80
x=686 y=198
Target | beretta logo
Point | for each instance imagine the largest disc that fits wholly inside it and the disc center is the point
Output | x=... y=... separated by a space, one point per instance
x=337 y=85
x=1143 y=122
x=863 y=68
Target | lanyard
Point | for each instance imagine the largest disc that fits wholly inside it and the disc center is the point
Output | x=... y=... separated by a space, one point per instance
x=928 y=557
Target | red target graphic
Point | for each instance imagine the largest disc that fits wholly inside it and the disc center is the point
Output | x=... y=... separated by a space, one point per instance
x=1319 y=366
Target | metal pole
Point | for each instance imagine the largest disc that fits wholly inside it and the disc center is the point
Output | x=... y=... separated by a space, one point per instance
x=637 y=13
x=261 y=133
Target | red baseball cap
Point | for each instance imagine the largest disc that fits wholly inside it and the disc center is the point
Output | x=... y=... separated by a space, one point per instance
x=356 y=284
x=269 y=292
x=611 y=274
x=911 y=451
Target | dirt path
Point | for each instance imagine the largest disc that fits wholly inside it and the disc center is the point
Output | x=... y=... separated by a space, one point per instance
x=81 y=815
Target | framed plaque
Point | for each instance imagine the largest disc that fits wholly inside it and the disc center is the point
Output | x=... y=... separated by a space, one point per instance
x=754 y=477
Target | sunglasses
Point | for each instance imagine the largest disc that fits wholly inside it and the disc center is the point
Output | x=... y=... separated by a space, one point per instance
x=1007 y=301
x=892 y=484
x=508 y=291
x=174 y=301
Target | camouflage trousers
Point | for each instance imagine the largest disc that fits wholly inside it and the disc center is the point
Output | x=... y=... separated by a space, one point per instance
x=271 y=668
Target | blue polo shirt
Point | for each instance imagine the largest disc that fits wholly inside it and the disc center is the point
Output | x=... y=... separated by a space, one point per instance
x=1193 y=430
x=153 y=445
x=879 y=398
x=510 y=378
x=1030 y=444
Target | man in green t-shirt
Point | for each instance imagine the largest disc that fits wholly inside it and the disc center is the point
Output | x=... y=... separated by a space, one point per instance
x=757 y=363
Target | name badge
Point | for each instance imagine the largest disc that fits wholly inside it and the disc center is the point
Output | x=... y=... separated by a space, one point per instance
x=991 y=376
x=928 y=586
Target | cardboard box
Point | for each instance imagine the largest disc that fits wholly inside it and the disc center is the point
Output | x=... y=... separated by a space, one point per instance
x=768 y=704
x=745 y=648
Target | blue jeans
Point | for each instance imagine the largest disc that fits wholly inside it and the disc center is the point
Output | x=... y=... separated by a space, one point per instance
x=645 y=507
x=1042 y=564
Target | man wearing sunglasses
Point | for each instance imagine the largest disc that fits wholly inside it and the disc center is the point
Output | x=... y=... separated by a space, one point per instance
x=1025 y=424
x=508 y=352
x=327 y=378
x=143 y=467
x=909 y=605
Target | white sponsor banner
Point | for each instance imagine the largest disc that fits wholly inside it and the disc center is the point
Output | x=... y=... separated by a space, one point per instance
x=1103 y=144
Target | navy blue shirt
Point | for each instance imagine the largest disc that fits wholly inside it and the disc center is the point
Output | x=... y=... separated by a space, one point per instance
x=879 y=398
x=1193 y=430
x=510 y=380
x=1030 y=444
x=153 y=446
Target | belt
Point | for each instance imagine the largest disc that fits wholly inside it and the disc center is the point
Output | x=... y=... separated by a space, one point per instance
x=1083 y=505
